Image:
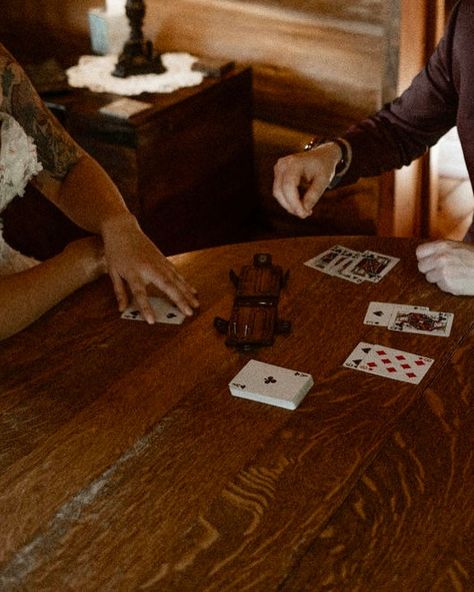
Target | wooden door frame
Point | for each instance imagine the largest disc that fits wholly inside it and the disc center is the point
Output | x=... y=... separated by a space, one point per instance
x=410 y=195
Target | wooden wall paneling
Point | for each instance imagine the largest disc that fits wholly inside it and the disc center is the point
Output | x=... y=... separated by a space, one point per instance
x=35 y=30
x=318 y=67
x=309 y=70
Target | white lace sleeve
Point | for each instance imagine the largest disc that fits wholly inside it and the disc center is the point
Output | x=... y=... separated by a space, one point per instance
x=18 y=163
x=18 y=160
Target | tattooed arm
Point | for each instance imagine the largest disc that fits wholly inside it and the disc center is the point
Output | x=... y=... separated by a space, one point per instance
x=80 y=187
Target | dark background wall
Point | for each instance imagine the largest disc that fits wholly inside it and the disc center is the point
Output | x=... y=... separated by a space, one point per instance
x=318 y=66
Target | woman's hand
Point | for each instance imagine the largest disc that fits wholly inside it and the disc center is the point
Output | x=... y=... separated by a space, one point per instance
x=133 y=260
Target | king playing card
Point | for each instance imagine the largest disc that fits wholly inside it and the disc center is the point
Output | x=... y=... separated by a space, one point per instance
x=423 y=322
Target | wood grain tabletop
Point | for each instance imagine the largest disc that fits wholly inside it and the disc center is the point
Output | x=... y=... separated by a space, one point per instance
x=125 y=463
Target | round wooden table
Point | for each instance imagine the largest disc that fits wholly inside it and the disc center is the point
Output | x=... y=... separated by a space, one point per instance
x=127 y=465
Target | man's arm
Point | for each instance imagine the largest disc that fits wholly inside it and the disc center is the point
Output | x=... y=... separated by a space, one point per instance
x=395 y=136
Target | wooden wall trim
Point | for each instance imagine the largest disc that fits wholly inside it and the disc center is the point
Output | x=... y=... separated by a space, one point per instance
x=415 y=197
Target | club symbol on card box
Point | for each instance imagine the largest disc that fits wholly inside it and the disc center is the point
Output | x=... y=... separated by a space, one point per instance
x=269 y=380
x=237 y=385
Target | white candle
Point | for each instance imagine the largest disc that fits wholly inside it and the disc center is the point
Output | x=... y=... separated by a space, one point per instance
x=115 y=6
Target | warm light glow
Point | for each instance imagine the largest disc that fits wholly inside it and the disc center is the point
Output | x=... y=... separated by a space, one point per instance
x=115 y=6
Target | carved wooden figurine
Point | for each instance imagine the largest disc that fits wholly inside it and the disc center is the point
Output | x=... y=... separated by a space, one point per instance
x=254 y=318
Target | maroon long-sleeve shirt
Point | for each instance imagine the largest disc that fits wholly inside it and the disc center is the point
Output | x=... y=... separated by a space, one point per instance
x=439 y=97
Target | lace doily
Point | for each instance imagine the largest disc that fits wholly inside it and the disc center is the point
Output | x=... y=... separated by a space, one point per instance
x=95 y=73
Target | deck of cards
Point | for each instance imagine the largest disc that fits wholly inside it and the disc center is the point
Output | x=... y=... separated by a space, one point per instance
x=353 y=266
x=407 y=318
x=388 y=362
x=271 y=384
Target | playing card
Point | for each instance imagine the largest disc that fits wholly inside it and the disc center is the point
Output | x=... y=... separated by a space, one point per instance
x=395 y=364
x=323 y=260
x=271 y=384
x=372 y=266
x=165 y=312
x=380 y=313
x=426 y=322
x=341 y=264
x=358 y=355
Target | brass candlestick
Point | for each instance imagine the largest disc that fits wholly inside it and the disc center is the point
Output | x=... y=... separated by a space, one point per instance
x=137 y=56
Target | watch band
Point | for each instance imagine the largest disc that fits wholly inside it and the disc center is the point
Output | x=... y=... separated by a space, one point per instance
x=344 y=162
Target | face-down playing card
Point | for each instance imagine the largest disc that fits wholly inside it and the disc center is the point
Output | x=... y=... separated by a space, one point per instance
x=164 y=311
x=271 y=384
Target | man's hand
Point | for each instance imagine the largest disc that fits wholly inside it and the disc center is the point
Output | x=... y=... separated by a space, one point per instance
x=133 y=259
x=449 y=265
x=314 y=169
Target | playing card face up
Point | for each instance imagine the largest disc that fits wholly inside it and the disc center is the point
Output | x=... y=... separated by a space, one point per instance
x=407 y=318
x=324 y=260
x=372 y=266
x=271 y=384
x=341 y=265
x=425 y=322
x=353 y=266
x=389 y=363
x=380 y=313
x=165 y=312
x=358 y=355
